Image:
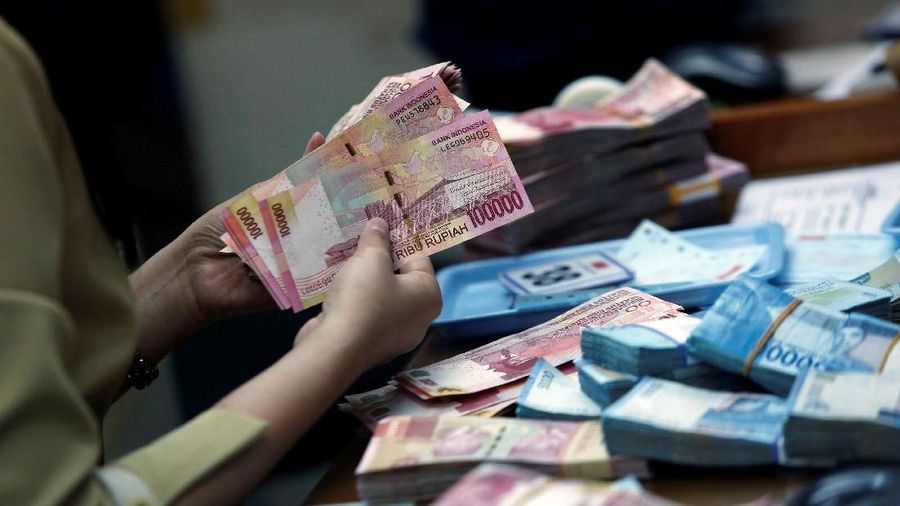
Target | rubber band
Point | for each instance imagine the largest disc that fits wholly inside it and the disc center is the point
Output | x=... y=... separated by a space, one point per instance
x=764 y=339
x=887 y=353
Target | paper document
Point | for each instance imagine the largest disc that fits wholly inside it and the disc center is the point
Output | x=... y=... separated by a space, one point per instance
x=851 y=200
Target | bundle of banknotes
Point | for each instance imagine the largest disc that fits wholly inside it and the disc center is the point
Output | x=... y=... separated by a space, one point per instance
x=670 y=421
x=601 y=385
x=846 y=417
x=885 y=276
x=646 y=143
x=653 y=348
x=407 y=154
x=499 y=485
x=550 y=394
x=759 y=331
x=414 y=458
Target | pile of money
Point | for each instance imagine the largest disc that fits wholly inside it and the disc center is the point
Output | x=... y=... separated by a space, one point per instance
x=406 y=154
x=488 y=380
x=759 y=331
x=511 y=358
x=414 y=458
x=645 y=142
x=550 y=394
x=665 y=420
x=498 y=484
x=846 y=417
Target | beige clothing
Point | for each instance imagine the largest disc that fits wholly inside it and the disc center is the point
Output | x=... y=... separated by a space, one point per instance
x=67 y=326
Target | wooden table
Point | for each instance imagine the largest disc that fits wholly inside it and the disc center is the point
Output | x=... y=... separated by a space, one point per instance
x=688 y=486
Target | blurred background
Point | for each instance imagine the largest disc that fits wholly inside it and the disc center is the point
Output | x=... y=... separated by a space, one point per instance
x=178 y=105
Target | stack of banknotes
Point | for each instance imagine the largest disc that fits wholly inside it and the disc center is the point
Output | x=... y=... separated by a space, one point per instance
x=851 y=416
x=406 y=154
x=499 y=485
x=645 y=142
x=414 y=458
x=759 y=331
x=487 y=380
x=653 y=348
x=550 y=394
x=845 y=296
x=670 y=421
x=601 y=385
x=641 y=349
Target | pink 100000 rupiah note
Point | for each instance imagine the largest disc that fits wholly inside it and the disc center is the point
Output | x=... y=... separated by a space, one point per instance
x=425 y=106
x=435 y=191
x=512 y=357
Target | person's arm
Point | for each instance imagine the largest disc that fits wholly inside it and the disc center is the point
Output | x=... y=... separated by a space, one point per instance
x=370 y=316
x=190 y=284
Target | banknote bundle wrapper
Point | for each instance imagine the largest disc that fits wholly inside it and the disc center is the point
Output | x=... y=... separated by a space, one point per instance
x=406 y=154
x=499 y=485
x=413 y=458
x=847 y=417
x=646 y=143
x=759 y=331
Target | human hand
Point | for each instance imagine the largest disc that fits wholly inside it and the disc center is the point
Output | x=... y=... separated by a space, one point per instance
x=191 y=283
x=371 y=312
x=220 y=282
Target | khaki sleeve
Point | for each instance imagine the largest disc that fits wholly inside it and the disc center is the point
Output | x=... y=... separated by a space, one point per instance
x=173 y=463
x=49 y=437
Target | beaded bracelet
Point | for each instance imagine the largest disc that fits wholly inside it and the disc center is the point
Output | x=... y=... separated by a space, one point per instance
x=141 y=372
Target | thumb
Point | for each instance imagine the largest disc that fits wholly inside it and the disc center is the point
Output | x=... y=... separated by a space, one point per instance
x=314 y=143
x=375 y=237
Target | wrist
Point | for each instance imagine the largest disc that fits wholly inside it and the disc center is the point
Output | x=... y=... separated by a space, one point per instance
x=342 y=343
x=164 y=301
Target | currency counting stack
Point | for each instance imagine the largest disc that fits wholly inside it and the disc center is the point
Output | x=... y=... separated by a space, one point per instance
x=594 y=173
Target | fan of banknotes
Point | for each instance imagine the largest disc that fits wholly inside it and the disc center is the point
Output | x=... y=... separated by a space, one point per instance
x=407 y=154
x=594 y=173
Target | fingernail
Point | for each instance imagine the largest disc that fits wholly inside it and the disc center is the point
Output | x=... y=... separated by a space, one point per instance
x=377 y=225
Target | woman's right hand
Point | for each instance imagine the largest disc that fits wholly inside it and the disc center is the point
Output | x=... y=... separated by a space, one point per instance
x=370 y=311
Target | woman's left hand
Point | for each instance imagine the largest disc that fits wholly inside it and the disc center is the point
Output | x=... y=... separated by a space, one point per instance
x=221 y=283
x=191 y=283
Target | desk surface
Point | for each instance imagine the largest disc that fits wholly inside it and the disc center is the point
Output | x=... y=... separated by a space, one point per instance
x=694 y=487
